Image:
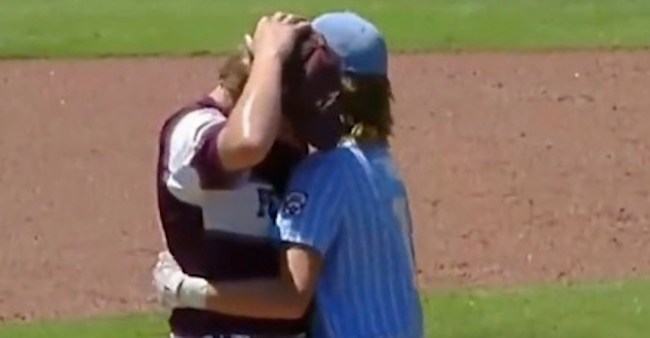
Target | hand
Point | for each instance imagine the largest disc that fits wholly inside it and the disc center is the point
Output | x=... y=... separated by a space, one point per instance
x=167 y=278
x=276 y=35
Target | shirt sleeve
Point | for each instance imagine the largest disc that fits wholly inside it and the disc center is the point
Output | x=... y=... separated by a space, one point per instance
x=193 y=161
x=311 y=213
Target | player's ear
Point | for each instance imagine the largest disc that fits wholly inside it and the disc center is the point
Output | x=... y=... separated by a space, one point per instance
x=248 y=50
x=248 y=42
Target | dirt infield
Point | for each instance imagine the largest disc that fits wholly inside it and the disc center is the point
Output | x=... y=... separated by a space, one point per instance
x=522 y=168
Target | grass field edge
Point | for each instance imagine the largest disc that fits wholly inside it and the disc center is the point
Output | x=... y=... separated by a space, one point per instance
x=426 y=296
x=393 y=52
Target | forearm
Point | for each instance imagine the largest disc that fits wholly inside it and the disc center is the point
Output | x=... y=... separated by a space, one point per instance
x=254 y=122
x=262 y=298
x=255 y=298
x=285 y=297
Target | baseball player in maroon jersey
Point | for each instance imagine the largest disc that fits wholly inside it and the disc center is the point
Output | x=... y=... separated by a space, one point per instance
x=223 y=163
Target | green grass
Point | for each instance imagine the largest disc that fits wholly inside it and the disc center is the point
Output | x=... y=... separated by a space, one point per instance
x=126 y=326
x=618 y=310
x=81 y=28
x=615 y=310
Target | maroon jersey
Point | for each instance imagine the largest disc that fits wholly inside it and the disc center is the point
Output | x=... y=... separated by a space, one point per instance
x=217 y=223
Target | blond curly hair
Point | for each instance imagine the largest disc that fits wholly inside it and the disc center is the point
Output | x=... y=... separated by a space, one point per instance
x=235 y=70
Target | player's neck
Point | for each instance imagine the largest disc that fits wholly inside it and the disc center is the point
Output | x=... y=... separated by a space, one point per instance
x=367 y=134
x=367 y=141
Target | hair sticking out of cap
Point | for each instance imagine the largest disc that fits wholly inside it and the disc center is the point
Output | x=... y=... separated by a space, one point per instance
x=366 y=95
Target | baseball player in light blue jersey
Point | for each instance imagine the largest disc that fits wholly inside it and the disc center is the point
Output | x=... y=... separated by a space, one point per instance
x=344 y=224
x=350 y=205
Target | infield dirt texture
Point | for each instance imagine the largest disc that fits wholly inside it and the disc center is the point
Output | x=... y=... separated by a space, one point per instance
x=523 y=168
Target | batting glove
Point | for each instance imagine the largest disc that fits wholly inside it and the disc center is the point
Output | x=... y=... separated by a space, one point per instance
x=174 y=288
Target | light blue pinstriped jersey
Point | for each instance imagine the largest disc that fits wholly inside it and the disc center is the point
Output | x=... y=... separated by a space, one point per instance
x=350 y=205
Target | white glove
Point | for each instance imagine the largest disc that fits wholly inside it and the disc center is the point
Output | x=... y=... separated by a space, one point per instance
x=167 y=278
x=174 y=288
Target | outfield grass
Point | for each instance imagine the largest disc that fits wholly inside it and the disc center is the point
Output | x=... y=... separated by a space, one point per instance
x=74 y=28
x=619 y=310
x=615 y=310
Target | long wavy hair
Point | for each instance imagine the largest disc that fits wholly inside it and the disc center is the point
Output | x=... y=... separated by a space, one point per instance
x=366 y=102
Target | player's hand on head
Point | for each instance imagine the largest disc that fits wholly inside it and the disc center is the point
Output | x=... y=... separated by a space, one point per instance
x=275 y=35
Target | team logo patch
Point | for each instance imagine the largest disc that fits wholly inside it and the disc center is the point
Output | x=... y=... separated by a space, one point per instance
x=293 y=204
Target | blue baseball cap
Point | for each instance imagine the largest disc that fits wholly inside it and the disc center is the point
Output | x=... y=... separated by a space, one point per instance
x=357 y=41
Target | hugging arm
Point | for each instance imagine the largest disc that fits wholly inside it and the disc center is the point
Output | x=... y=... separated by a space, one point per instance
x=285 y=298
x=309 y=223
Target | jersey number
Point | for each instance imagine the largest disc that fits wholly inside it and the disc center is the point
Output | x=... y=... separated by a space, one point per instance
x=401 y=211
